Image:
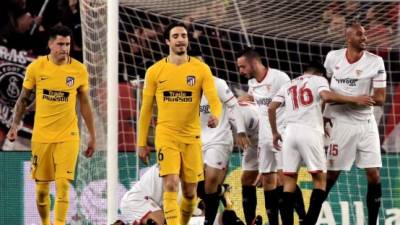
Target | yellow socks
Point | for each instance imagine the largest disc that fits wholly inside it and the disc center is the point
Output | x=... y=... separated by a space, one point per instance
x=43 y=201
x=171 y=208
x=62 y=201
x=187 y=207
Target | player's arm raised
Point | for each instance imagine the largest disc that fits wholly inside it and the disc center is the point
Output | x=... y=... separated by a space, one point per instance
x=210 y=91
x=86 y=112
x=146 y=112
x=19 y=111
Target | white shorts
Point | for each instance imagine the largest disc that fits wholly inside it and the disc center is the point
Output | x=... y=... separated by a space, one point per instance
x=136 y=206
x=217 y=156
x=309 y=147
x=250 y=159
x=269 y=159
x=356 y=141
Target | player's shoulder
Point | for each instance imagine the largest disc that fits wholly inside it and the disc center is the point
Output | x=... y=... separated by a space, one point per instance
x=157 y=65
x=196 y=63
x=280 y=74
x=219 y=81
x=372 y=56
x=39 y=61
x=336 y=53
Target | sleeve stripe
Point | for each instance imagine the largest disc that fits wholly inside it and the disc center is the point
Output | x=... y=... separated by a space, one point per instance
x=229 y=99
x=379 y=80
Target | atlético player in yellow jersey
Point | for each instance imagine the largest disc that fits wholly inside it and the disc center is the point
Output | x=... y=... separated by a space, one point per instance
x=177 y=82
x=58 y=80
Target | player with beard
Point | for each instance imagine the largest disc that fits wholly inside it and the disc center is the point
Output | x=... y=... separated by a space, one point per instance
x=355 y=137
x=177 y=82
x=264 y=82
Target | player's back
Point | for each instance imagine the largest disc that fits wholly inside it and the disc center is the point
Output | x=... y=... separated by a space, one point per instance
x=251 y=117
x=56 y=89
x=303 y=102
x=150 y=183
x=178 y=90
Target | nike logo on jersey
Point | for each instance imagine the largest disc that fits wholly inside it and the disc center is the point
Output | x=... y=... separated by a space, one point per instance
x=44 y=78
x=161 y=81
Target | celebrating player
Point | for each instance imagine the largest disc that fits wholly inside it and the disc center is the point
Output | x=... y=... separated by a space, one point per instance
x=263 y=84
x=58 y=80
x=355 y=137
x=217 y=144
x=177 y=82
x=302 y=98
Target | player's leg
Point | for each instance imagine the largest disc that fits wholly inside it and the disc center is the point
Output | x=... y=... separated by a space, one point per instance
x=313 y=155
x=213 y=178
x=248 y=179
x=249 y=195
x=341 y=150
x=291 y=159
x=369 y=157
x=268 y=168
x=169 y=159
x=318 y=196
x=216 y=159
x=42 y=172
x=65 y=157
x=192 y=172
x=374 y=194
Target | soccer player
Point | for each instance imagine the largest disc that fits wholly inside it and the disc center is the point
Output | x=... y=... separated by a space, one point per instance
x=177 y=82
x=355 y=136
x=217 y=144
x=143 y=202
x=302 y=98
x=263 y=84
x=58 y=80
x=251 y=117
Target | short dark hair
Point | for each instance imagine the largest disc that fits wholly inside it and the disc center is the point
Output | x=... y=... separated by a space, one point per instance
x=170 y=27
x=249 y=53
x=60 y=30
x=315 y=67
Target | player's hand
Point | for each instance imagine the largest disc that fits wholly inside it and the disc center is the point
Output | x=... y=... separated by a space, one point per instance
x=276 y=138
x=90 y=147
x=327 y=126
x=242 y=140
x=12 y=133
x=246 y=98
x=144 y=154
x=212 y=121
x=364 y=100
x=258 y=181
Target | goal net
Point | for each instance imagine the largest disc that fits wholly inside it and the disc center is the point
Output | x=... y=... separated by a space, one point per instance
x=287 y=33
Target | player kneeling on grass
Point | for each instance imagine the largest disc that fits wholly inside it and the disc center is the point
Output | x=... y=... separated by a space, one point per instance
x=303 y=97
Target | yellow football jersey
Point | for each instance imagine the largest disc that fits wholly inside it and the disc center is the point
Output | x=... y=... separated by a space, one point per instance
x=178 y=90
x=56 y=89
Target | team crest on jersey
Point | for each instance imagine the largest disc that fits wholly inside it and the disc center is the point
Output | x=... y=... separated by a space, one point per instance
x=358 y=72
x=70 y=81
x=191 y=80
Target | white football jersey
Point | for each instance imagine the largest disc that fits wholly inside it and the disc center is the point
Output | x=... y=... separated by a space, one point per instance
x=150 y=183
x=263 y=92
x=222 y=134
x=302 y=100
x=353 y=79
x=251 y=117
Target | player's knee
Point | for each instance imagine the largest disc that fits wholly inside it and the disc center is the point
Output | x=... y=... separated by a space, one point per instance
x=171 y=183
x=62 y=189
x=373 y=176
x=42 y=192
